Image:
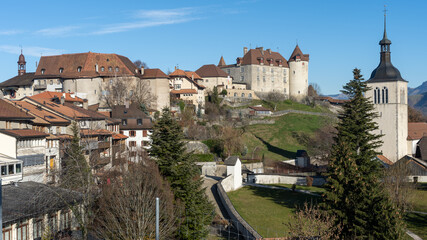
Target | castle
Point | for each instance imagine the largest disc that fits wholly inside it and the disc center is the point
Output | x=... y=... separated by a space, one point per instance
x=266 y=71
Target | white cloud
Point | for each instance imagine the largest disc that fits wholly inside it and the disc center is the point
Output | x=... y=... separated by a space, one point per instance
x=10 y=32
x=152 y=18
x=30 y=51
x=57 y=31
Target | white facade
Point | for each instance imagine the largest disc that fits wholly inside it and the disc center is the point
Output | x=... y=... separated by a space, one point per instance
x=298 y=79
x=392 y=108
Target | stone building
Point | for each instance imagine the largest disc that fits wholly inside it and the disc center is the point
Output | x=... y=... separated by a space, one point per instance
x=265 y=71
x=185 y=87
x=389 y=93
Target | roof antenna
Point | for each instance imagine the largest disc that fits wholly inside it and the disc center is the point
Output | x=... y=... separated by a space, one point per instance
x=20 y=46
x=385 y=20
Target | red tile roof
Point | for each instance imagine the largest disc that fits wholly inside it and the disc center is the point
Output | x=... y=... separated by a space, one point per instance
x=69 y=63
x=10 y=112
x=69 y=97
x=332 y=100
x=184 y=91
x=254 y=56
x=416 y=130
x=98 y=132
x=24 y=133
x=119 y=136
x=384 y=160
x=211 y=70
x=61 y=109
x=192 y=75
x=221 y=62
x=153 y=73
x=178 y=73
x=42 y=113
x=297 y=54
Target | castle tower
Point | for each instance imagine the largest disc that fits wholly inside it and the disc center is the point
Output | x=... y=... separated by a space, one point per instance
x=21 y=64
x=389 y=93
x=298 y=74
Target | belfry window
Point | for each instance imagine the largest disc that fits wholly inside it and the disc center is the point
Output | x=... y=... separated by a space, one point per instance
x=375 y=96
x=385 y=92
x=383 y=96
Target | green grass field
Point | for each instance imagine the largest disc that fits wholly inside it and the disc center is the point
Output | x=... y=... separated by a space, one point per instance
x=285 y=105
x=268 y=210
x=276 y=141
x=419 y=202
x=317 y=190
x=417 y=223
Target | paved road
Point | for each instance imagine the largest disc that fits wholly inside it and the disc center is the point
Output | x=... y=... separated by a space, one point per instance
x=212 y=193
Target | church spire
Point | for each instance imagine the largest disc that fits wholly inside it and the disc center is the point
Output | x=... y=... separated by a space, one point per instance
x=385 y=42
x=21 y=64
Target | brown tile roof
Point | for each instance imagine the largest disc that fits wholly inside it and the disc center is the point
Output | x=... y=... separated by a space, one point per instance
x=42 y=113
x=192 y=75
x=48 y=95
x=385 y=160
x=211 y=70
x=105 y=113
x=20 y=80
x=24 y=133
x=153 y=73
x=119 y=136
x=297 y=54
x=10 y=112
x=184 y=91
x=422 y=148
x=178 y=73
x=52 y=137
x=92 y=114
x=254 y=56
x=260 y=108
x=59 y=108
x=69 y=63
x=98 y=132
x=93 y=107
x=332 y=100
x=64 y=136
x=221 y=62
x=416 y=130
x=121 y=112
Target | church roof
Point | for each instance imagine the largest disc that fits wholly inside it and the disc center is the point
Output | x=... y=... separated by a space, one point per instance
x=297 y=54
x=211 y=70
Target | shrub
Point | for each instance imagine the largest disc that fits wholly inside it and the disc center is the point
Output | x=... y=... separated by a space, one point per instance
x=204 y=157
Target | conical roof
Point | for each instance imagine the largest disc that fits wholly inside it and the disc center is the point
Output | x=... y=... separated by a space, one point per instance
x=221 y=62
x=21 y=59
x=297 y=54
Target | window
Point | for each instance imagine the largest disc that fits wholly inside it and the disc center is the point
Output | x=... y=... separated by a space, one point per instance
x=124 y=122
x=18 y=168
x=11 y=169
x=132 y=144
x=102 y=69
x=242 y=69
x=22 y=232
x=383 y=96
x=117 y=69
x=52 y=223
x=177 y=86
x=3 y=170
x=38 y=229
x=51 y=82
x=43 y=71
x=110 y=69
x=79 y=69
x=250 y=95
x=139 y=121
x=7 y=234
x=235 y=94
x=242 y=78
x=243 y=95
x=65 y=222
x=61 y=70
x=132 y=133
x=284 y=79
x=144 y=133
x=263 y=78
x=386 y=94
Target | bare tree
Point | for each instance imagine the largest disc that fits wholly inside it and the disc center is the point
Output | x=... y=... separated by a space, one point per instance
x=114 y=92
x=311 y=222
x=415 y=116
x=142 y=94
x=316 y=89
x=127 y=204
x=275 y=97
x=232 y=140
x=138 y=63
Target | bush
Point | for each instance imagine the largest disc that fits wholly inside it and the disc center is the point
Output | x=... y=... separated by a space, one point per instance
x=204 y=157
x=216 y=146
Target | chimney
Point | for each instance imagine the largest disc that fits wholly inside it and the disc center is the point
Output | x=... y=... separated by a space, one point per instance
x=85 y=104
x=269 y=50
x=262 y=50
x=96 y=67
x=192 y=76
x=142 y=70
x=245 y=50
x=127 y=103
x=63 y=99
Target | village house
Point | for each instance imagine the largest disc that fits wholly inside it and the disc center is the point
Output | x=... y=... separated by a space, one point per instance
x=185 y=87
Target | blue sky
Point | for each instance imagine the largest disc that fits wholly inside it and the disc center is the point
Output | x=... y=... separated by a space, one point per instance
x=338 y=35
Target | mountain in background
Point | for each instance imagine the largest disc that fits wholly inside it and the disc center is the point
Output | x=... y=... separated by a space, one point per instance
x=418 y=90
x=340 y=96
x=417 y=98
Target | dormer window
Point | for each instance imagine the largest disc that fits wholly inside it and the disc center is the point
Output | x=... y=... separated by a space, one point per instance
x=102 y=69
x=79 y=69
x=117 y=69
x=61 y=70
x=110 y=69
x=43 y=71
x=139 y=121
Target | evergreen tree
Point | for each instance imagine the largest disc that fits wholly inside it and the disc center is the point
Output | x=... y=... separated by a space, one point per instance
x=180 y=170
x=215 y=96
x=354 y=192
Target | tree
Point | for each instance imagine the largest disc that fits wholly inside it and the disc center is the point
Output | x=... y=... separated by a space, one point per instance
x=138 y=63
x=76 y=175
x=127 y=204
x=214 y=97
x=414 y=115
x=354 y=193
x=179 y=168
x=275 y=97
x=232 y=140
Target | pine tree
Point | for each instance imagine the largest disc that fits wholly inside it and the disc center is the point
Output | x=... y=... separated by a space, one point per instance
x=179 y=168
x=354 y=193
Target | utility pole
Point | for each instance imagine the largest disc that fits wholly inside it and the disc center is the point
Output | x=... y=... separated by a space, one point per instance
x=1 y=209
x=157 y=219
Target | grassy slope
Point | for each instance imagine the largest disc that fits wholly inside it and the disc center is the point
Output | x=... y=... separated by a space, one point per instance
x=285 y=105
x=268 y=210
x=313 y=189
x=276 y=140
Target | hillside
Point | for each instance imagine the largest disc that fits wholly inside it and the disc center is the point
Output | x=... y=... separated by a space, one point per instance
x=418 y=90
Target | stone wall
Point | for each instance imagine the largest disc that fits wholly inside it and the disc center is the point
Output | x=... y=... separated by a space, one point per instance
x=283 y=179
x=239 y=223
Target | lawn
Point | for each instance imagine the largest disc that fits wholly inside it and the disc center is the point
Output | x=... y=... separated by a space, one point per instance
x=313 y=189
x=419 y=201
x=268 y=210
x=287 y=104
x=277 y=141
x=417 y=223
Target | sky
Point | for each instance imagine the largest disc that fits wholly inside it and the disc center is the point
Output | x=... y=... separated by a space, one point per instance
x=339 y=35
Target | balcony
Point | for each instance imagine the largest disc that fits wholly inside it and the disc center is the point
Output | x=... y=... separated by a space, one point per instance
x=39 y=86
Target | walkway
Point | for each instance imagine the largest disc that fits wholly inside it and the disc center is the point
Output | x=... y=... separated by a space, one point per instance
x=283 y=112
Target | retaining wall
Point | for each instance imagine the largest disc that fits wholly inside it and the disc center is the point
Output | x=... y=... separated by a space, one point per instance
x=284 y=179
x=238 y=222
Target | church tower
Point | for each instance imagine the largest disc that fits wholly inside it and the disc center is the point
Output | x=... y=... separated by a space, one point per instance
x=21 y=64
x=389 y=93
